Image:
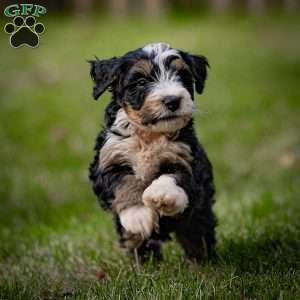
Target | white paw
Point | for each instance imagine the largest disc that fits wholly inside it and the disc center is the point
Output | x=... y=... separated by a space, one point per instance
x=165 y=196
x=139 y=220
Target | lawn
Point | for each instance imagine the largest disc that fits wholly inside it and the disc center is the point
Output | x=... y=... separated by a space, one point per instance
x=56 y=242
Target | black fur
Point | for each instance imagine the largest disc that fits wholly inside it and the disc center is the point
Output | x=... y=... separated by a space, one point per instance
x=198 y=65
x=195 y=227
x=103 y=73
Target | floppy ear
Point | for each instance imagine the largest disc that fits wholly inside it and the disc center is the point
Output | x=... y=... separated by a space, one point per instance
x=103 y=72
x=198 y=65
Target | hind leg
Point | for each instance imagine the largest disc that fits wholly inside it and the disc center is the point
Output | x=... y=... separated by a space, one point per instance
x=150 y=248
x=196 y=235
x=197 y=248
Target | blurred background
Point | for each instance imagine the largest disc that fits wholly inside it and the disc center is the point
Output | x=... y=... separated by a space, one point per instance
x=54 y=236
x=156 y=8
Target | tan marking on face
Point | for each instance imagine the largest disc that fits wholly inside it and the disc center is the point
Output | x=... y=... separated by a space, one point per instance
x=138 y=117
x=151 y=109
x=179 y=64
x=142 y=66
x=135 y=116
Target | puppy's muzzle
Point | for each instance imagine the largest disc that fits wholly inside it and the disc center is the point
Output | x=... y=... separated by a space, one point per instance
x=172 y=102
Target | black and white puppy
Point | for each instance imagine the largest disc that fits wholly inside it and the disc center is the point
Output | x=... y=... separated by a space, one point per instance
x=149 y=168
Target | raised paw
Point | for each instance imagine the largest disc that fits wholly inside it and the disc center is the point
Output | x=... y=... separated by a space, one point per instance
x=165 y=196
x=139 y=220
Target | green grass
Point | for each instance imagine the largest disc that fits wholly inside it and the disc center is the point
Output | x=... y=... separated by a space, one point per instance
x=54 y=239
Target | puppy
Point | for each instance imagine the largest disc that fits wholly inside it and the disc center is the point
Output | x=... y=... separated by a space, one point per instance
x=149 y=168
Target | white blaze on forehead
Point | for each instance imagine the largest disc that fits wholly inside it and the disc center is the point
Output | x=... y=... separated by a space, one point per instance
x=156 y=49
x=160 y=52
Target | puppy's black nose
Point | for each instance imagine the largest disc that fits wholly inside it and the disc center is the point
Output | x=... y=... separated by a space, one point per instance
x=172 y=102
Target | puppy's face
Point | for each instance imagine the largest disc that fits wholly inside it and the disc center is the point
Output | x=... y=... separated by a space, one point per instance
x=154 y=85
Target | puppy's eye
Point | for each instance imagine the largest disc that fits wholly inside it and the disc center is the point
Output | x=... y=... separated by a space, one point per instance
x=141 y=82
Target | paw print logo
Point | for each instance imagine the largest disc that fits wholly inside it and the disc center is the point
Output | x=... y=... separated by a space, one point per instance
x=24 y=31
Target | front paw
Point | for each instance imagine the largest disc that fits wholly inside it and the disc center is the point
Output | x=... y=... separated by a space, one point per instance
x=165 y=196
x=139 y=220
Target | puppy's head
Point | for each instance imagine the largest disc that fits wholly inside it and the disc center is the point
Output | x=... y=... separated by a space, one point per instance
x=154 y=84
